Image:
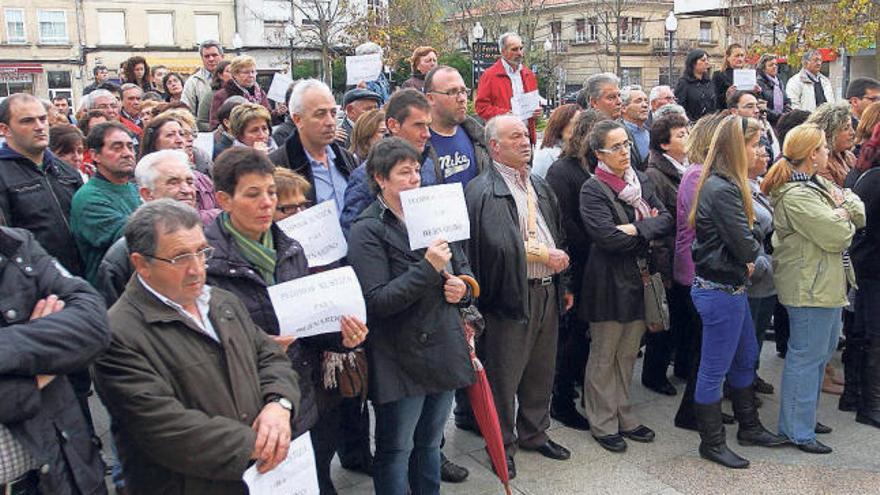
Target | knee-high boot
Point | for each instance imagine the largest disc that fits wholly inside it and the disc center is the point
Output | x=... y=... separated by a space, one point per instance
x=751 y=431
x=713 y=442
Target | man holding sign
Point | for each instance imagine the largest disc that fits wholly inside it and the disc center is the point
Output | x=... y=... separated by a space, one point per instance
x=506 y=82
x=520 y=286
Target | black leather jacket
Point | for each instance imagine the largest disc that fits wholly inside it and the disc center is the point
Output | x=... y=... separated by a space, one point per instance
x=724 y=243
x=48 y=422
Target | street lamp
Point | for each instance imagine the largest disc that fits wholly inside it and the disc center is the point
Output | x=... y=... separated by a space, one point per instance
x=290 y=33
x=548 y=45
x=671 y=28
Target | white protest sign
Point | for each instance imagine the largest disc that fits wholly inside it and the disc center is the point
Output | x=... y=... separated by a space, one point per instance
x=745 y=79
x=524 y=105
x=296 y=475
x=316 y=304
x=278 y=89
x=318 y=230
x=435 y=212
x=362 y=68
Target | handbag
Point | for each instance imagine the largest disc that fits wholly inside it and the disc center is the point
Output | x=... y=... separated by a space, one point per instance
x=656 y=305
x=346 y=372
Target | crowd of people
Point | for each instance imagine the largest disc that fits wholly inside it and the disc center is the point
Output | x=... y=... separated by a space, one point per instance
x=686 y=221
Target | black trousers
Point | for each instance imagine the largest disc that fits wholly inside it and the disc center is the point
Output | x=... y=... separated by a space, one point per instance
x=691 y=347
x=354 y=446
x=685 y=328
x=573 y=349
x=780 y=328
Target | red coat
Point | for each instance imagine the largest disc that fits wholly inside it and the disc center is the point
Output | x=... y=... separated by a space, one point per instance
x=495 y=91
x=131 y=126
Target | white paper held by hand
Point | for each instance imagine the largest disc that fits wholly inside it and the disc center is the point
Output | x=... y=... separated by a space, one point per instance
x=524 y=105
x=318 y=230
x=435 y=212
x=316 y=304
x=296 y=475
x=745 y=79
x=362 y=68
x=278 y=88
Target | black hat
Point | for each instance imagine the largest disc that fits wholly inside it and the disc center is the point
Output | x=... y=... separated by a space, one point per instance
x=360 y=94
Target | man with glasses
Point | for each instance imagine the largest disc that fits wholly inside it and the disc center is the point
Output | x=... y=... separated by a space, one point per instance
x=508 y=78
x=100 y=208
x=197 y=92
x=809 y=88
x=460 y=153
x=747 y=106
x=861 y=93
x=172 y=335
x=159 y=175
x=105 y=102
x=659 y=97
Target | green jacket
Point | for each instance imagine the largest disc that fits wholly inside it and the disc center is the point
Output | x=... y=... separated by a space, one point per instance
x=808 y=241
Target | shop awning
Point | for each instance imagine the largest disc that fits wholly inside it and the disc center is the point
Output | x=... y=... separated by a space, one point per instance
x=25 y=68
x=182 y=65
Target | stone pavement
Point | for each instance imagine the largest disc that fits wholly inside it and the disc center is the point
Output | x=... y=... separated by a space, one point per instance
x=670 y=465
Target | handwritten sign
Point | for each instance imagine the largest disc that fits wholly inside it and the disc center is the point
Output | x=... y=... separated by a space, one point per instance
x=745 y=79
x=362 y=68
x=278 y=88
x=315 y=304
x=524 y=105
x=296 y=475
x=435 y=212
x=318 y=230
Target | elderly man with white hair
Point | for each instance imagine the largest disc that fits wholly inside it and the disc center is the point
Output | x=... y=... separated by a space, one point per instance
x=659 y=97
x=312 y=150
x=162 y=174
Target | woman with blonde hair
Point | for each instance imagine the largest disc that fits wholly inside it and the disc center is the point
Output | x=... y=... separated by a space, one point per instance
x=367 y=131
x=243 y=83
x=724 y=253
x=251 y=125
x=424 y=58
x=814 y=223
x=870 y=119
x=836 y=122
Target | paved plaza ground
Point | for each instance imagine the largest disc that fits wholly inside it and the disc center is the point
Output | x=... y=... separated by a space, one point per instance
x=670 y=465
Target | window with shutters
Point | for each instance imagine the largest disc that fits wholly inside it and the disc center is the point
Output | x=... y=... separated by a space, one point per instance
x=112 y=31
x=15 y=32
x=53 y=26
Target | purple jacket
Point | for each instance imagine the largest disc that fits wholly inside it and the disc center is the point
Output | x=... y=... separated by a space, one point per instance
x=683 y=264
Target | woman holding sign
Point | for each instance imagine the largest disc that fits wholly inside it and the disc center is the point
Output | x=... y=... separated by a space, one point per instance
x=417 y=350
x=251 y=254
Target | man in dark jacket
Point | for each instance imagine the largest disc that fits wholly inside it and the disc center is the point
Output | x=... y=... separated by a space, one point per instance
x=310 y=150
x=355 y=103
x=520 y=286
x=36 y=187
x=459 y=151
x=52 y=324
x=172 y=335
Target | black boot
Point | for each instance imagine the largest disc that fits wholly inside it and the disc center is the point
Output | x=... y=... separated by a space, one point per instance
x=751 y=431
x=713 y=443
x=853 y=359
x=869 y=405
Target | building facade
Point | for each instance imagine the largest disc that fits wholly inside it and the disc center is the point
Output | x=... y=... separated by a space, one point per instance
x=583 y=40
x=40 y=48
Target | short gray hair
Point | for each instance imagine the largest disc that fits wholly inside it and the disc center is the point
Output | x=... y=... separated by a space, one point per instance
x=145 y=172
x=297 y=95
x=502 y=40
x=596 y=82
x=210 y=44
x=627 y=91
x=491 y=130
x=807 y=56
x=655 y=92
x=97 y=94
x=368 y=48
x=129 y=86
x=669 y=109
x=164 y=215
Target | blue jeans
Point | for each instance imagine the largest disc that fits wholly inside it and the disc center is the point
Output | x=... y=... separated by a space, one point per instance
x=729 y=348
x=413 y=425
x=813 y=340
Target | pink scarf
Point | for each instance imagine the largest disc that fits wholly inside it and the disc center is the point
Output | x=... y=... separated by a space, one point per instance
x=628 y=189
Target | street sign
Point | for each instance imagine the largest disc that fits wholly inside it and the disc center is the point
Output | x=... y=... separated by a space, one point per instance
x=483 y=54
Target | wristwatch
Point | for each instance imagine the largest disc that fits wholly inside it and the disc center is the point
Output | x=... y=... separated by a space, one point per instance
x=283 y=402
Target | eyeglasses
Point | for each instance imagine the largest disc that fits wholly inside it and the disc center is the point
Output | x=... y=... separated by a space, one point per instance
x=454 y=92
x=186 y=259
x=872 y=98
x=617 y=148
x=294 y=208
x=106 y=106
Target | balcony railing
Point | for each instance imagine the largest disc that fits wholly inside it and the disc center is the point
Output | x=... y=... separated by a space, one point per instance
x=679 y=45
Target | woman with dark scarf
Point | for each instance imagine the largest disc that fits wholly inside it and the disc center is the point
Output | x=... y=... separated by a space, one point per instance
x=772 y=90
x=243 y=83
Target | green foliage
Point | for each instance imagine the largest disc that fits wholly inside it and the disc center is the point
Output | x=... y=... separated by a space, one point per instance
x=462 y=63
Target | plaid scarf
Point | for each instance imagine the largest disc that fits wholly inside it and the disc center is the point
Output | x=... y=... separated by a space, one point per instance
x=261 y=255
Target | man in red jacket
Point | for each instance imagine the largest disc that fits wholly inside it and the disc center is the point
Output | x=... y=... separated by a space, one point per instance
x=504 y=80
